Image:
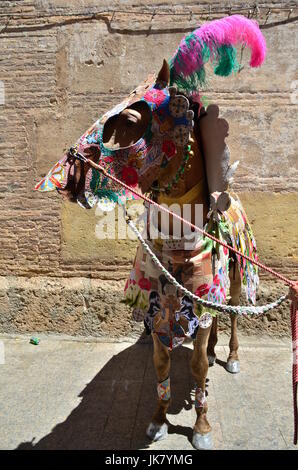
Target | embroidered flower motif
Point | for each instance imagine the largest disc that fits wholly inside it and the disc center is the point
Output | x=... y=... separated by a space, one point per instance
x=144 y=283
x=202 y=290
x=169 y=148
x=93 y=138
x=129 y=176
x=108 y=159
x=155 y=96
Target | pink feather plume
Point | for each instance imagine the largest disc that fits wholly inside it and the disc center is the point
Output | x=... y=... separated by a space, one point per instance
x=232 y=30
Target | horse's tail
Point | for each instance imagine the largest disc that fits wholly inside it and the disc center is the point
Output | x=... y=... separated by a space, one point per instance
x=215 y=42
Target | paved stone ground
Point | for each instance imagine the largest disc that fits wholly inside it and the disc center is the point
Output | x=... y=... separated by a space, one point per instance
x=86 y=394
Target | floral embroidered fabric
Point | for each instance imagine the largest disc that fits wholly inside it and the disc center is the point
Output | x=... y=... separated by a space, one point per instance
x=203 y=270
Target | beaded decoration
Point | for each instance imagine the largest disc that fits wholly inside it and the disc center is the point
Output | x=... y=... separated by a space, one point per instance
x=188 y=154
x=200 y=398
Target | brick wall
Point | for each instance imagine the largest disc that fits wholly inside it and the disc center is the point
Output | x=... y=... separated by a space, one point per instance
x=62 y=65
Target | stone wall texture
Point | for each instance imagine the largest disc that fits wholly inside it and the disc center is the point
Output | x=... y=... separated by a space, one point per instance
x=62 y=64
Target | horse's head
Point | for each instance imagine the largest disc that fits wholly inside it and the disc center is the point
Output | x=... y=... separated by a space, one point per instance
x=139 y=136
x=131 y=141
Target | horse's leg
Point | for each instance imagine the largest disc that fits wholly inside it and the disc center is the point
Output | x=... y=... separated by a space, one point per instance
x=233 y=364
x=199 y=367
x=158 y=427
x=212 y=342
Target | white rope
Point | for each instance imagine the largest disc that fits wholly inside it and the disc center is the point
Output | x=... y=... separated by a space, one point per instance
x=239 y=310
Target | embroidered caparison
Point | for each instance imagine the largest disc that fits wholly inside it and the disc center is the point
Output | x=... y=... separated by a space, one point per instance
x=165 y=126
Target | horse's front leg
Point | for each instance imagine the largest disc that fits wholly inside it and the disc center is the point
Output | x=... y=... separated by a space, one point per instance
x=212 y=342
x=158 y=427
x=233 y=364
x=199 y=367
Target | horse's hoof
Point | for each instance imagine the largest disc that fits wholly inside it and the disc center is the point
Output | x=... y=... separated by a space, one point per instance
x=233 y=367
x=202 y=441
x=211 y=360
x=157 y=432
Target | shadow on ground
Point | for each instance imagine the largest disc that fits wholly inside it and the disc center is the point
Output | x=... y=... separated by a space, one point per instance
x=117 y=405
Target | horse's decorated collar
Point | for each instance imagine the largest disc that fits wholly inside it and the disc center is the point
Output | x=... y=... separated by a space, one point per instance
x=167 y=131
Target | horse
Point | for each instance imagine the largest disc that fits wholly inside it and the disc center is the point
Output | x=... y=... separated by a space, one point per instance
x=205 y=339
x=162 y=141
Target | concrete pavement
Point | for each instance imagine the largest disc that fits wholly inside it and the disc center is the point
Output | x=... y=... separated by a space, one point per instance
x=74 y=393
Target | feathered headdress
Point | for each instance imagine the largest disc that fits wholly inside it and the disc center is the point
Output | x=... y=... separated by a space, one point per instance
x=215 y=42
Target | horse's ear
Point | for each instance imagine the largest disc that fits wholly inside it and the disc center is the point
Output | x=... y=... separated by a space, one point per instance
x=164 y=73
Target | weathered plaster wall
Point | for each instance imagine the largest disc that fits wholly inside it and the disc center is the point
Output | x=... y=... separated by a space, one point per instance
x=62 y=65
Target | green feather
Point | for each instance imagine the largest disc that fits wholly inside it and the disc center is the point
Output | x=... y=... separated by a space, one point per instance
x=223 y=58
x=226 y=61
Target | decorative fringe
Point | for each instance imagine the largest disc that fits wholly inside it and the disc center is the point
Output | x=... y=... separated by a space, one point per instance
x=107 y=194
x=215 y=42
x=98 y=187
